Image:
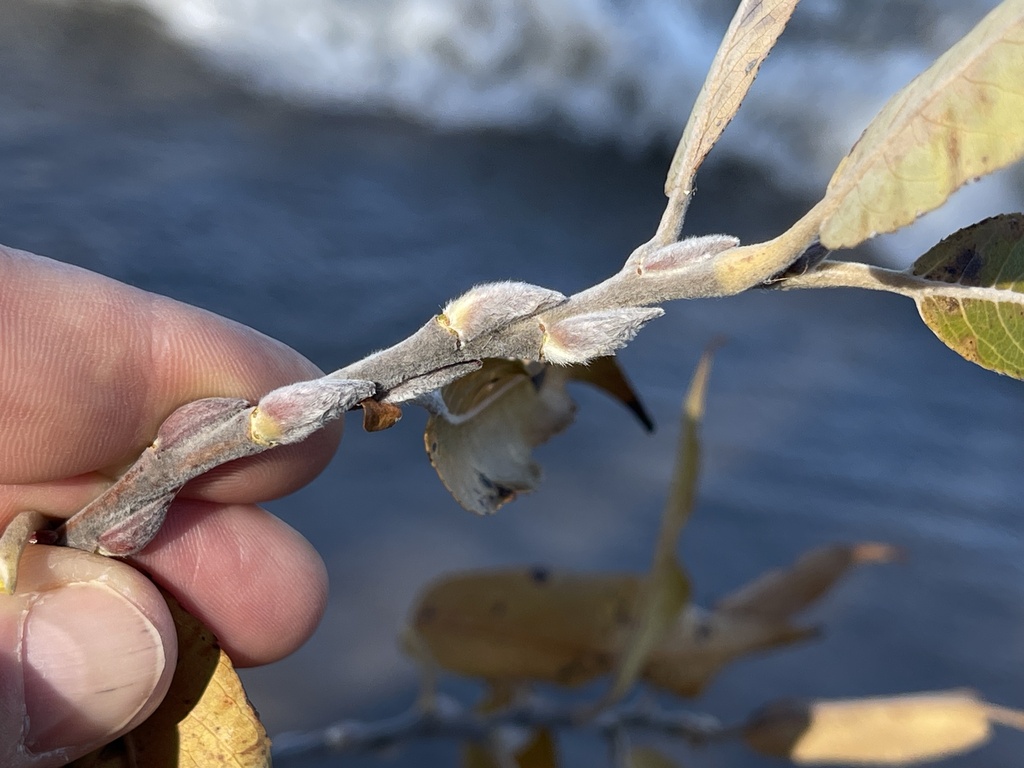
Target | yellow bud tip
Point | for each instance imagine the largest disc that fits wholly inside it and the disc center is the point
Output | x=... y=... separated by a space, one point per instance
x=263 y=429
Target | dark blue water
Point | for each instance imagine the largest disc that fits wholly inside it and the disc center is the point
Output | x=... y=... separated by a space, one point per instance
x=832 y=416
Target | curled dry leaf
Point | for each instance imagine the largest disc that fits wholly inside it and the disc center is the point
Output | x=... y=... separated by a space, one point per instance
x=895 y=730
x=482 y=447
x=481 y=441
x=756 y=617
x=606 y=374
x=205 y=718
x=378 y=416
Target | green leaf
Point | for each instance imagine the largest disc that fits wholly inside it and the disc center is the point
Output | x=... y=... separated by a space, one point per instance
x=975 y=300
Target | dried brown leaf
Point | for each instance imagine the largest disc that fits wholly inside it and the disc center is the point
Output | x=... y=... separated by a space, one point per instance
x=755 y=618
x=378 y=416
x=482 y=450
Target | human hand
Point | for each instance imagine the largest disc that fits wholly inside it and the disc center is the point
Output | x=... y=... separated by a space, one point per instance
x=88 y=369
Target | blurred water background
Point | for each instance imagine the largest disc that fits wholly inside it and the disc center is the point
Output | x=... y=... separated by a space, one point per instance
x=331 y=171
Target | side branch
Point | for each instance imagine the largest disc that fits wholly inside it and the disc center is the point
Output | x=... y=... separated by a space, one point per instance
x=450 y=720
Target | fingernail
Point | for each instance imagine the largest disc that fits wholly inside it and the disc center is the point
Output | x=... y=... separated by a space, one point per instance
x=90 y=678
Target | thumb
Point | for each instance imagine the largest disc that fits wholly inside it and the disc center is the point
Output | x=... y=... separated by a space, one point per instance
x=87 y=650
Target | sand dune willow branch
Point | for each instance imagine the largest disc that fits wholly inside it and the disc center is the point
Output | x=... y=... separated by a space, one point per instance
x=496 y=320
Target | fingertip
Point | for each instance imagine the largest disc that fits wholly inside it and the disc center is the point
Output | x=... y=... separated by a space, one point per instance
x=251 y=578
x=90 y=653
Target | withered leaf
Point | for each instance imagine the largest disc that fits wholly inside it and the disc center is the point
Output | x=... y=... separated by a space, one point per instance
x=893 y=730
x=482 y=447
x=378 y=416
x=529 y=624
x=482 y=450
x=537 y=625
x=667 y=587
x=781 y=593
x=757 y=617
x=606 y=374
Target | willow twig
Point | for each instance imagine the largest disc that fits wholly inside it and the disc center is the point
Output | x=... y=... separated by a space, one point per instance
x=452 y=721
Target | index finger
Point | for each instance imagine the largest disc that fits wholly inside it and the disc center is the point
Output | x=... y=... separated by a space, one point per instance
x=89 y=367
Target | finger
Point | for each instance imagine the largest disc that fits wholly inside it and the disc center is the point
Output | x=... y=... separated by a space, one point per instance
x=253 y=580
x=89 y=368
x=87 y=649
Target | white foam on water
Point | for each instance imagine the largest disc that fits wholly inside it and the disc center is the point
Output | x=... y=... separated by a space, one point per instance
x=624 y=71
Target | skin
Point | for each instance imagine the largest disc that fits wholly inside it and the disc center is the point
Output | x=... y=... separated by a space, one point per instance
x=89 y=368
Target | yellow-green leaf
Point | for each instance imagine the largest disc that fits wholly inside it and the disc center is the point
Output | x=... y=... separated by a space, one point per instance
x=975 y=302
x=894 y=730
x=958 y=120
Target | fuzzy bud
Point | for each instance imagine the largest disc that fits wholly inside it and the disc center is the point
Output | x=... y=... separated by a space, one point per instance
x=292 y=413
x=490 y=307
x=595 y=334
x=685 y=253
